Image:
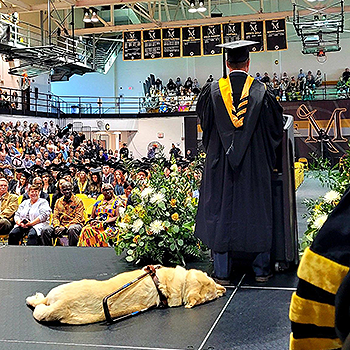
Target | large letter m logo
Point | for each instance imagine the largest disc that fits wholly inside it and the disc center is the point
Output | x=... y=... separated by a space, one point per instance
x=323 y=134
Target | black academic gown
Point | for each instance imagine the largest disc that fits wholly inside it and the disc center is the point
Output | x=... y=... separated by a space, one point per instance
x=235 y=204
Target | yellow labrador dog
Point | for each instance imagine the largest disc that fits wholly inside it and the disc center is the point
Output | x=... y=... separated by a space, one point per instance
x=80 y=302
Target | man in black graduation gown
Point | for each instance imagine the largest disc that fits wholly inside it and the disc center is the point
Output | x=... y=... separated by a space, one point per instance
x=242 y=126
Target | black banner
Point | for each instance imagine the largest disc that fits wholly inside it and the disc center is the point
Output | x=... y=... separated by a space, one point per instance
x=132 y=46
x=152 y=44
x=211 y=37
x=191 y=41
x=255 y=31
x=171 y=42
x=232 y=32
x=276 y=36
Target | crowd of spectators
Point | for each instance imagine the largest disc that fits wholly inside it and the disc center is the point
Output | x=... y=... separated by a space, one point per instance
x=171 y=97
x=343 y=85
x=47 y=172
x=294 y=87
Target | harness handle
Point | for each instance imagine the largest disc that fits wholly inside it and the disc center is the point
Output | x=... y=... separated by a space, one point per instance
x=149 y=270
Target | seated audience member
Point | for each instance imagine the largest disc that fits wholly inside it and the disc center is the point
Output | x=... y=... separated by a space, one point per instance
x=15 y=181
x=257 y=76
x=346 y=75
x=171 y=86
x=23 y=184
x=101 y=228
x=188 y=84
x=119 y=182
x=196 y=87
x=152 y=151
x=265 y=79
x=178 y=83
x=310 y=79
x=82 y=182
x=58 y=193
x=95 y=184
x=159 y=84
x=126 y=197
x=318 y=78
x=27 y=162
x=38 y=182
x=9 y=205
x=31 y=217
x=48 y=186
x=68 y=217
x=107 y=176
x=301 y=74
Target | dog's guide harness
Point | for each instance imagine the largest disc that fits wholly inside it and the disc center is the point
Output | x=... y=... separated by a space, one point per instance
x=150 y=270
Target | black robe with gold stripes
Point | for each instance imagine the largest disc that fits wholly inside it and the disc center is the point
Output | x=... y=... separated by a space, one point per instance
x=320 y=308
x=235 y=204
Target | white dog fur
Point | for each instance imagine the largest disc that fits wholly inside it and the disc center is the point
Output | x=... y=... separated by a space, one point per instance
x=80 y=302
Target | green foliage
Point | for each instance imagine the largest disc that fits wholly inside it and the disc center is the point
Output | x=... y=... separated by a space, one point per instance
x=159 y=226
x=337 y=179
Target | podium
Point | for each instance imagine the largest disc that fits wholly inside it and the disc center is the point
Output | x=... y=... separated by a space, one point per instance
x=284 y=251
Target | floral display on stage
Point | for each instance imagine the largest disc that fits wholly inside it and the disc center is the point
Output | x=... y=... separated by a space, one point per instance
x=318 y=211
x=159 y=226
x=337 y=179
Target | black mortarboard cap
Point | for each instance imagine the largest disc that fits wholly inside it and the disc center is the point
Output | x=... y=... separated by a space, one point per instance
x=83 y=168
x=237 y=51
x=20 y=169
x=26 y=174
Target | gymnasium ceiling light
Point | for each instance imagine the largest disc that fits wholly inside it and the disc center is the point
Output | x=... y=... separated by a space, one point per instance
x=94 y=18
x=200 y=8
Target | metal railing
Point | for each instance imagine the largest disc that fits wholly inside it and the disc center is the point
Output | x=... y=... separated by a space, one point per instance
x=32 y=102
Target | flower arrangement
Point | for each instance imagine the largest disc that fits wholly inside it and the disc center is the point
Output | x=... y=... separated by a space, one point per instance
x=337 y=179
x=318 y=211
x=159 y=226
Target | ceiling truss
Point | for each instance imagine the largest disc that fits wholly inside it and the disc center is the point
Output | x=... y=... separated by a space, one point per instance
x=155 y=13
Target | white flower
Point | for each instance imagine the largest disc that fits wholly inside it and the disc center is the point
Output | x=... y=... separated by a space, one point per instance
x=173 y=167
x=319 y=221
x=157 y=198
x=137 y=224
x=146 y=192
x=124 y=226
x=121 y=212
x=156 y=226
x=332 y=196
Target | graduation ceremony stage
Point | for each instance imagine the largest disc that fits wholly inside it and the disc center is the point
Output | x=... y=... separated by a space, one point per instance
x=250 y=316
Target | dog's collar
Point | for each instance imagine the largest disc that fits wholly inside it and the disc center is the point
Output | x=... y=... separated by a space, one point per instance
x=151 y=270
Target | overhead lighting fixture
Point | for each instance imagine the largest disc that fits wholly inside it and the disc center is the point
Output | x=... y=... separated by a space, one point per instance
x=193 y=8
x=94 y=17
x=86 y=18
x=201 y=7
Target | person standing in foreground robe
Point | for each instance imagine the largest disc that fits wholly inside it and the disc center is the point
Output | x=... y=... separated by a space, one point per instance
x=242 y=126
x=320 y=307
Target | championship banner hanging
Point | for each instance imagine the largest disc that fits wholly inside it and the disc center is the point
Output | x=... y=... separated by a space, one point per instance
x=152 y=44
x=191 y=41
x=132 y=46
x=232 y=31
x=171 y=42
x=276 y=36
x=211 y=36
x=254 y=31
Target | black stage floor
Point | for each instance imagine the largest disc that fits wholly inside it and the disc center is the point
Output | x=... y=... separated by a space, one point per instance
x=250 y=317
